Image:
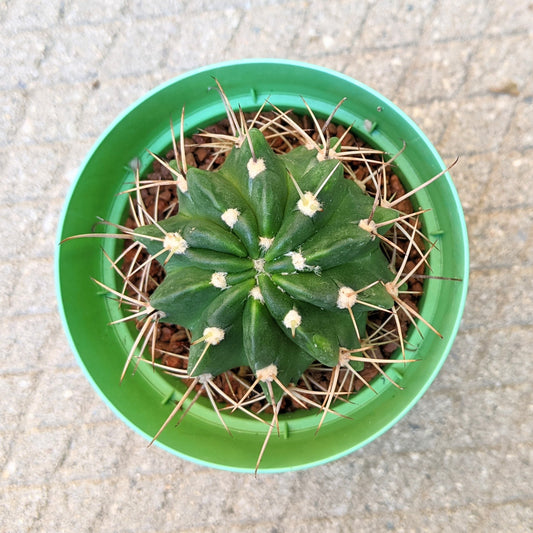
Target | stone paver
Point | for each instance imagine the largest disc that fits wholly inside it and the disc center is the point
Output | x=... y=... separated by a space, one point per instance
x=461 y=459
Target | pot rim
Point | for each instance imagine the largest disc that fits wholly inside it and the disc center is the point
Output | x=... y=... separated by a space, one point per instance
x=421 y=138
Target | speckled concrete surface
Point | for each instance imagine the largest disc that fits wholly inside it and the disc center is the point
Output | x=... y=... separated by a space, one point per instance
x=461 y=459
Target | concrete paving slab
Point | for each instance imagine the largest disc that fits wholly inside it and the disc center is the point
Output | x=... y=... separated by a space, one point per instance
x=461 y=459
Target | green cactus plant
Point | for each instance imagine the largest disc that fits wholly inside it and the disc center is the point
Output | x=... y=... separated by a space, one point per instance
x=269 y=264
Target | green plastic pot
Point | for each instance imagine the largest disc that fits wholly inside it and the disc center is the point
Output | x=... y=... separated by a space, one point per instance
x=145 y=400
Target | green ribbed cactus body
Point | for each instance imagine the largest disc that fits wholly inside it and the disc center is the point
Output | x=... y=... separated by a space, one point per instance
x=262 y=257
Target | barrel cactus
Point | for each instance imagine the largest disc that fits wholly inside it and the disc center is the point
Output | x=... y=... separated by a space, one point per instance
x=273 y=262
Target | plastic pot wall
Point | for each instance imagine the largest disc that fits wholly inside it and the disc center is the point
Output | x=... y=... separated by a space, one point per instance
x=144 y=400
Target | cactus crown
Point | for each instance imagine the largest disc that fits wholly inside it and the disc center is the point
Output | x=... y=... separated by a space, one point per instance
x=268 y=264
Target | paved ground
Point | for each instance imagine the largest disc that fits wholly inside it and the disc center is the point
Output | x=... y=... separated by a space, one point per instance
x=461 y=460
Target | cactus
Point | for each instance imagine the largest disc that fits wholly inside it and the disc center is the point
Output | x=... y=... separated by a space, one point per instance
x=269 y=264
